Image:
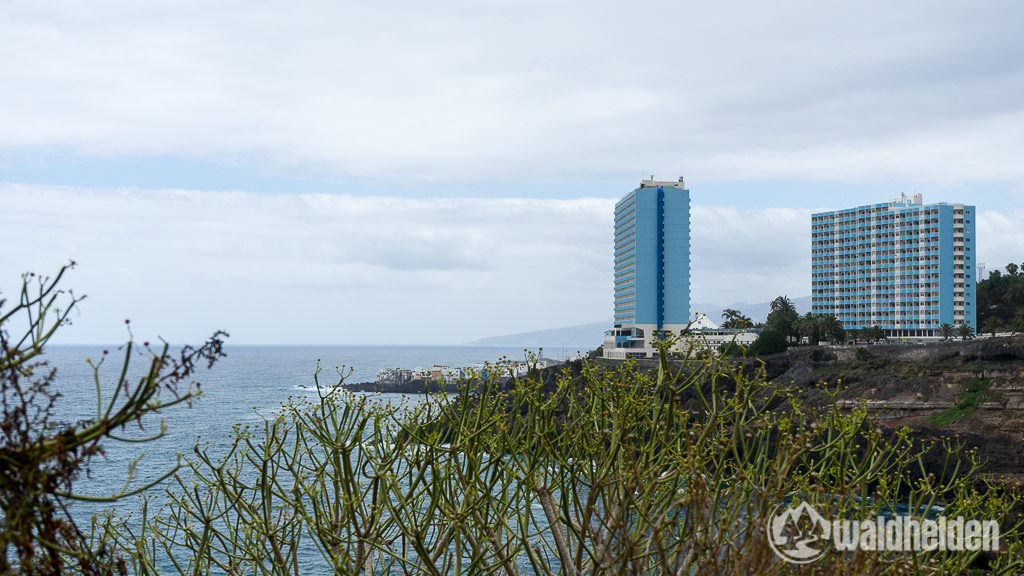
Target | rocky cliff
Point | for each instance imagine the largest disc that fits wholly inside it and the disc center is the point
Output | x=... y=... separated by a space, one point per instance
x=970 y=392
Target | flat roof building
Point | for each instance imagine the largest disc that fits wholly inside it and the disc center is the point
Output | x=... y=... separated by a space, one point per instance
x=904 y=266
x=651 y=267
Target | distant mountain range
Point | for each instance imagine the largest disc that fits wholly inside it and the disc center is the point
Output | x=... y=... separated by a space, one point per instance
x=589 y=336
x=585 y=337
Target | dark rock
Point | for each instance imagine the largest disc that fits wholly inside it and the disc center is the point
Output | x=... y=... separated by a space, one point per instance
x=412 y=387
x=1000 y=349
x=998 y=454
x=823 y=355
x=799 y=374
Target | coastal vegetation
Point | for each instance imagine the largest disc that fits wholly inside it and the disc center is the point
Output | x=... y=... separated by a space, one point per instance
x=673 y=469
x=1000 y=305
x=784 y=327
x=733 y=319
x=43 y=460
x=976 y=391
x=1001 y=300
x=603 y=472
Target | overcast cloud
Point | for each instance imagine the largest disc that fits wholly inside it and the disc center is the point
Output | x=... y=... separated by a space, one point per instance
x=457 y=90
x=313 y=268
x=316 y=268
x=410 y=172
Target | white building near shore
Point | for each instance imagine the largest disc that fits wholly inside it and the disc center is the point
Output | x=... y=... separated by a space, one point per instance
x=700 y=333
x=705 y=333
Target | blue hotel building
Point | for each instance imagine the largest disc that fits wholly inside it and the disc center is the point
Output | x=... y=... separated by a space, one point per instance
x=904 y=266
x=652 y=267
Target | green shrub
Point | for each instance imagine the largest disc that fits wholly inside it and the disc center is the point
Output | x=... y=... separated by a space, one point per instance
x=911 y=370
x=732 y=349
x=609 y=472
x=974 y=394
x=768 y=342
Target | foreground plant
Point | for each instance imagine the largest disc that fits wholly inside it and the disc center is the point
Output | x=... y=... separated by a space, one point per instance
x=602 y=472
x=42 y=459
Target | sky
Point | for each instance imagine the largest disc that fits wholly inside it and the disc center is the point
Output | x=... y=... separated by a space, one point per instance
x=398 y=172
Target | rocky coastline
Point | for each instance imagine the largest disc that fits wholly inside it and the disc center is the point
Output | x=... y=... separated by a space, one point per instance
x=417 y=386
x=899 y=385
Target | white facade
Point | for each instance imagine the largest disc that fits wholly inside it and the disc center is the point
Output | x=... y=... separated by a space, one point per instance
x=700 y=333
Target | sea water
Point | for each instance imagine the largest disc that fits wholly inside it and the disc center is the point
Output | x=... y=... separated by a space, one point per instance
x=247 y=386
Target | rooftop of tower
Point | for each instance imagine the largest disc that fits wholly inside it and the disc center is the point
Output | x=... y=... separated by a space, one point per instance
x=652 y=183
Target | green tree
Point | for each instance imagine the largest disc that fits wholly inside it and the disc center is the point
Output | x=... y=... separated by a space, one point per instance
x=991 y=325
x=947 y=330
x=964 y=331
x=783 y=317
x=735 y=320
x=818 y=327
x=872 y=333
x=1001 y=296
x=833 y=328
x=768 y=342
x=807 y=327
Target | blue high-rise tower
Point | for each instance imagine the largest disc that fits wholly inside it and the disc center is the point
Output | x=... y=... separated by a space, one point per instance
x=651 y=268
x=904 y=266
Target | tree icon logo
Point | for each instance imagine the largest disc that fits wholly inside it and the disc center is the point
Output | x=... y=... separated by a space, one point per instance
x=799 y=534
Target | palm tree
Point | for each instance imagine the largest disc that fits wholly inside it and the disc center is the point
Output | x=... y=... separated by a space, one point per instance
x=832 y=328
x=818 y=327
x=947 y=330
x=782 y=304
x=735 y=319
x=815 y=331
x=964 y=331
x=783 y=316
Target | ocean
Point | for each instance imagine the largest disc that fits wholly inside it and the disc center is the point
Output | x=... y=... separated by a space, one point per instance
x=245 y=387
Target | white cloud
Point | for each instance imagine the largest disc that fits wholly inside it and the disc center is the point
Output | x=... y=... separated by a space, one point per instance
x=749 y=255
x=1000 y=238
x=342 y=269
x=466 y=91
x=323 y=267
